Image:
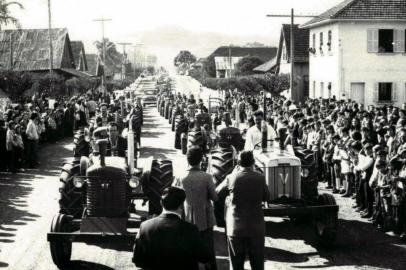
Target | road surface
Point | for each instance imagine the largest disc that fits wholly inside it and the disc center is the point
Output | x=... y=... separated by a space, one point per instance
x=28 y=201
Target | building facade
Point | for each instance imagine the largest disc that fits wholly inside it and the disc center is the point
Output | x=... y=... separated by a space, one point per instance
x=357 y=51
x=226 y=58
x=300 y=89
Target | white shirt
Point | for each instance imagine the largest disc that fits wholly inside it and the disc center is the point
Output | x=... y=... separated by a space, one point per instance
x=254 y=137
x=32 y=131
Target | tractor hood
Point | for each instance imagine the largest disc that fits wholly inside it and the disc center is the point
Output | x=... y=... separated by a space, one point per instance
x=275 y=158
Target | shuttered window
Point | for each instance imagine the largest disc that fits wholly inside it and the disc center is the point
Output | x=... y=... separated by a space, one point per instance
x=399 y=41
x=372 y=36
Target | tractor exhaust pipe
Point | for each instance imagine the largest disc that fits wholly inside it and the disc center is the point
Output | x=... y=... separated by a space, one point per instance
x=282 y=138
x=130 y=147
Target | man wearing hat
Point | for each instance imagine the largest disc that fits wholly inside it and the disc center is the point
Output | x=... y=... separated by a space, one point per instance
x=168 y=242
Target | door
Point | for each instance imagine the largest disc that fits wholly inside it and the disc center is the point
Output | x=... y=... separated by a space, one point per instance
x=358 y=92
x=322 y=90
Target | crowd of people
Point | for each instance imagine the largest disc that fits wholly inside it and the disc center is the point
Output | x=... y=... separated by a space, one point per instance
x=360 y=152
x=30 y=123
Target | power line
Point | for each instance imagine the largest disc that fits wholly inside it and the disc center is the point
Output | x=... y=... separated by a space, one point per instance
x=292 y=41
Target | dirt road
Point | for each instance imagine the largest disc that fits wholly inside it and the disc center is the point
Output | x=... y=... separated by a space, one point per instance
x=28 y=202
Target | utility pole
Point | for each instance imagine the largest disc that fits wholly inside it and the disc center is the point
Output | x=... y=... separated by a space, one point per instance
x=124 y=44
x=51 y=49
x=103 y=20
x=229 y=61
x=135 y=60
x=292 y=42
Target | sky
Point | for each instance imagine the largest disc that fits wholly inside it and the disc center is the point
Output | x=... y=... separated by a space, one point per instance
x=167 y=26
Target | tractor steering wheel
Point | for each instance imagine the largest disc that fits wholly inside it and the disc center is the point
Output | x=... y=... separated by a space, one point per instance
x=259 y=145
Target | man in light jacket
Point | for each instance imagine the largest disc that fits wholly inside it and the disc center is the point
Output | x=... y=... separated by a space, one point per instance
x=200 y=192
x=32 y=133
x=245 y=223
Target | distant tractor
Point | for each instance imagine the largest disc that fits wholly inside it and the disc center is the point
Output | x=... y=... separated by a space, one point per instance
x=97 y=202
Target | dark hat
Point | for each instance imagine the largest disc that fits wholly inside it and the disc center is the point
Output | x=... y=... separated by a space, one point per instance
x=172 y=198
x=395 y=164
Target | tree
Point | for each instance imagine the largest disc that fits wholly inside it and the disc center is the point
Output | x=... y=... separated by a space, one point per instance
x=209 y=66
x=247 y=64
x=5 y=15
x=184 y=57
x=113 y=57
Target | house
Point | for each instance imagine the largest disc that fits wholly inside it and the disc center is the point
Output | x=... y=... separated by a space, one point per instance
x=283 y=60
x=357 y=51
x=227 y=57
x=79 y=55
x=28 y=50
x=92 y=62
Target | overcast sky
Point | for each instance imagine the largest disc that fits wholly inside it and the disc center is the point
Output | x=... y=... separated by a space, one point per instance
x=174 y=24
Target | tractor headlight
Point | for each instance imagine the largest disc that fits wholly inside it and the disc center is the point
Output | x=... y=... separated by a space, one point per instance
x=134 y=182
x=305 y=172
x=78 y=182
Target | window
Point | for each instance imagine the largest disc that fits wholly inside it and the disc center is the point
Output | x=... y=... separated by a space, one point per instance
x=385 y=92
x=385 y=41
x=314 y=89
x=314 y=41
x=329 y=87
x=321 y=89
x=329 y=40
x=321 y=41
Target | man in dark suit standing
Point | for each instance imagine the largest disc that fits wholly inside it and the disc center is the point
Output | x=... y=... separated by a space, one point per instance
x=245 y=224
x=168 y=242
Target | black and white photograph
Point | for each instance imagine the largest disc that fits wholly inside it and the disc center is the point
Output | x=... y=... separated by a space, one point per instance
x=202 y=135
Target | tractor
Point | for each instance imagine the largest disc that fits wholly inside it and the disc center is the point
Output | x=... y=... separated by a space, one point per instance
x=292 y=181
x=98 y=195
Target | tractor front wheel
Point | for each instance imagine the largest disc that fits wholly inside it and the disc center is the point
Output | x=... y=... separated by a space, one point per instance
x=60 y=251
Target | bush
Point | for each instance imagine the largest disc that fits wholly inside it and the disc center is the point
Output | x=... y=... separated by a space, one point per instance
x=271 y=83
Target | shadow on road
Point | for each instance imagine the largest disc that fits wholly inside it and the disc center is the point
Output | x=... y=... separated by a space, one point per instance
x=358 y=244
x=157 y=153
x=16 y=189
x=82 y=265
x=2 y=264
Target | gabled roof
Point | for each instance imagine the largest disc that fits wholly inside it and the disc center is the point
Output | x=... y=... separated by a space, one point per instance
x=267 y=66
x=301 y=46
x=78 y=50
x=362 y=10
x=264 y=53
x=30 y=49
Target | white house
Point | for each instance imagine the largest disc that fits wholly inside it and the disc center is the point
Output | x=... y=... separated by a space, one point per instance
x=227 y=57
x=357 y=51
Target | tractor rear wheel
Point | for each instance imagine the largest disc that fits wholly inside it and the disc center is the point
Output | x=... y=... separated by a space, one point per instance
x=60 y=251
x=181 y=126
x=155 y=181
x=326 y=223
x=81 y=145
x=221 y=164
x=197 y=139
x=71 y=198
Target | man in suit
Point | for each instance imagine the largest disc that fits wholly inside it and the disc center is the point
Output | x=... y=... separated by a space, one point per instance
x=245 y=224
x=200 y=192
x=168 y=242
x=117 y=144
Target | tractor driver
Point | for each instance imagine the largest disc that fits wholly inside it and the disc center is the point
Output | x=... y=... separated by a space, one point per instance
x=105 y=116
x=254 y=133
x=117 y=144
